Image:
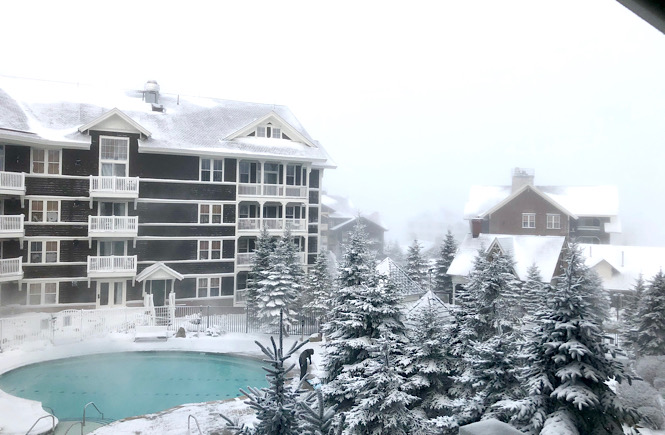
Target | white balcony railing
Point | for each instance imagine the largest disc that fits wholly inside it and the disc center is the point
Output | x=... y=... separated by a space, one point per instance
x=273 y=224
x=249 y=224
x=11 y=269
x=244 y=258
x=256 y=224
x=296 y=224
x=114 y=187
x=12 y=226
x=112 y=265
x=12 y=183
x=113 y=226
x=273 y=190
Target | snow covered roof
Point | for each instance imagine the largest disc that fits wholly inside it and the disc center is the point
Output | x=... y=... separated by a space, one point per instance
x=543 y=251
x=491 y=426
x=429 y=299
x=405 y=285
x=619 y=266
x=187 y=125
x=341 y=208
x=577 y=200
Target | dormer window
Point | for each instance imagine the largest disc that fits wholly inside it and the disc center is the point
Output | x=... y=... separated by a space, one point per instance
x=269 y=131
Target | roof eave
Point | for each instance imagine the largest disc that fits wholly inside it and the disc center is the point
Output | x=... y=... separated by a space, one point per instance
x=519 y=192
x=115 y=112
x=29 y=141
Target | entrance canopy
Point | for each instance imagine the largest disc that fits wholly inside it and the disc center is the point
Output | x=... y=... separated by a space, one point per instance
x=158 y=271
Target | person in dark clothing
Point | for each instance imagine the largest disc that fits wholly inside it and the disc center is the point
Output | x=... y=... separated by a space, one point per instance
x=304 y=356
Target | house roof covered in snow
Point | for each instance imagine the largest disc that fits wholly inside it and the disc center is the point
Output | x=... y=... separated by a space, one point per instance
x=543 y=251
x=62 y=113
x=574 y=200
x=619 y=266
x=344 y=212
x=387 y=267
x=429 y=299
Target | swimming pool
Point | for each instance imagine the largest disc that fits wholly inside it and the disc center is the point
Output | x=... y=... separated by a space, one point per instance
x=132 y=383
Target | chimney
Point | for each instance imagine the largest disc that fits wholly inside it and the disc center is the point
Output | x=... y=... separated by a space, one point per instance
x=151 y=92
x=522 y=177
x=476 y=227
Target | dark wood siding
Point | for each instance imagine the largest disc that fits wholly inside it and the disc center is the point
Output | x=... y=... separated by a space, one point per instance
x=60 y=271
x=230 y=170
x=164 y=250
x=167 y=166
x=12 y=249
x=193 y=230
x=81 y=162
x=10 y=294
x=313 y=197
x=229 y=214
x=76 y=250
x=151 y=213
x=76 y=292
x=202 y=191
x=17 y=159
x=314 y=177
x=228 y=248
x=56 y=186
x=508 y=219
x=197 y=267
x=56 y=230
x=76 y=211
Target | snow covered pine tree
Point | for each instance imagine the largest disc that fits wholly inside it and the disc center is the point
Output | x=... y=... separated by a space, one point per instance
x=416 y=266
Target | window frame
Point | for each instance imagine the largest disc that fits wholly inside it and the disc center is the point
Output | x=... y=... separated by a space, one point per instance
x=45 y=210
x=46 y=162
x=43 y=251
x=103 y=160
x=208 y=286
x=553 y=221
x=210 y=215
x=253 y=172
x=41 y=287
x=212 y=170
x=528 y=220
x=209 y=251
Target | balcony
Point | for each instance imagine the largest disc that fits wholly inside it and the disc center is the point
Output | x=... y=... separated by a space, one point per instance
x=272 y=190
x=244 y=259
x=113 y=226
x=114 y=187
x=112 y=266
x=12 y=183
x=11 y=227
x=271 y=224
x=11 y=269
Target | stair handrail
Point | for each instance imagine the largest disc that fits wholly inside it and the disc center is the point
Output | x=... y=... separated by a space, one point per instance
x=189 y=420
x=41 y=418
x=70 y=427
x=86 y=407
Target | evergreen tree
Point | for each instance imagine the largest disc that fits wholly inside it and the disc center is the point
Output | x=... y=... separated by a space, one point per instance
x=631 y=315
x=265 y=245
x=280 y=288
x=319 y=288
x=416 y=267
x=431 y=365
x=651 y=314
x=568 y=364
x=534 y=292
x=442 y=282
x=316 y=419
x=393 y=250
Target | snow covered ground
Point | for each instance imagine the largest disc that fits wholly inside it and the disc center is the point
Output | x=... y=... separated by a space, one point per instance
x=173 y=421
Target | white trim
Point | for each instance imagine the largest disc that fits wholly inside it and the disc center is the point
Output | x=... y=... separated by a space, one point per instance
x=117 y=112
x=275 y=119
x=519 y=192
x=111 y=294
x=111 y=161
x=555 y=224
x=209 y=251
x=210 y=214
x=44 y=211
x=43 y=251
x=45 y=162
x=42 y=293
x=10 y=139
x=208 y=286
x=530 y=219
x=211 y=170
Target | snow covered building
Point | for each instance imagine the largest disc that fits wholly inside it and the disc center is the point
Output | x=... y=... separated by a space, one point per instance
x=405 y=285
x=589 y=214
x=339 y=219
x=110 y=195
x=543 y=251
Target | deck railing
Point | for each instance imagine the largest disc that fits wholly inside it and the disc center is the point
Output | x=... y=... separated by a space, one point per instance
x=244 y=258
x=113 y=224
x=11 y=267
x=116 y=186
x=275 y=190
x=12 y=181
x=12 y=224
x=112 y=264
x=255 y=224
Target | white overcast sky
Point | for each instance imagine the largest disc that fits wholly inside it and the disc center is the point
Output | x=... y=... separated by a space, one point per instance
x=415 y=101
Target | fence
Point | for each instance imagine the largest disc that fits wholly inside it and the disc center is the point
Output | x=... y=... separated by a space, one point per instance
x=77 y=325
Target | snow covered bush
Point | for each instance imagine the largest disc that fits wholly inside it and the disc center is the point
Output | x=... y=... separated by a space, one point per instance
x=214 y=331
x=648 y=402
x=651 y=417
x=650 y=367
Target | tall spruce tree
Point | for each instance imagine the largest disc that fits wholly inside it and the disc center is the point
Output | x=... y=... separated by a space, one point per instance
x=319 y=288
x=264 y=247
x=442 y=282
x=393 y=250
x=568 y=364
x=416 y=266
x=631 y=315
x=651 y=313
x=280 y=288
x=534 y=292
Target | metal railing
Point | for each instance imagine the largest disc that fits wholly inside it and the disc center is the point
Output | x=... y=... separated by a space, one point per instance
x=84 y=409
x=189 y=419
x=112 y=264
x=113 y=224
x=117 y=186
x=12 y=224
x=40 y=419
x=14 y=181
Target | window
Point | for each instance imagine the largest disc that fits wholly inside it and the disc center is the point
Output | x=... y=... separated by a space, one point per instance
x=295 y=212
x=553 y=221
x=211 y=170
x=271 y=173
x=113 y=209
x=40 y=293
x=269 y=131
x=246 y=245
x=246 y=211
x=38 y=214
x=45 y=161
x=208 y=287
x=296 y=175
x=108 y=248
x=43 y=252
x=210 y=249
x=250 y=172
x=113 y=156
x=528 y=220
x=210 y=213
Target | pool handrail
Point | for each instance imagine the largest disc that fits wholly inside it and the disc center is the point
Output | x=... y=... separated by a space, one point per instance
x=70 y=427
x=189 y=419
x=39 y=419
x=86 y=407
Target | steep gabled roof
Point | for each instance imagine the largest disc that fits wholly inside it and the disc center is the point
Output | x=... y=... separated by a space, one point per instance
x=158 y=271
x=521 y=191
x=405 y=285
x=117 y=113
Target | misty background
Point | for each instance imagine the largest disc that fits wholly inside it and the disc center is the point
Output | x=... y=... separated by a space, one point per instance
x=414 y=101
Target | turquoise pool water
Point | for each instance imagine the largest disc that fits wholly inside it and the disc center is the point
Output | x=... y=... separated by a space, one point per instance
x=132 y=383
